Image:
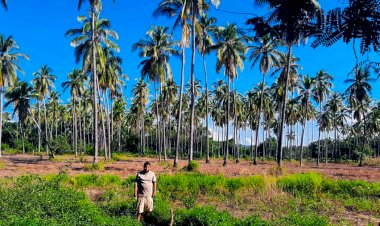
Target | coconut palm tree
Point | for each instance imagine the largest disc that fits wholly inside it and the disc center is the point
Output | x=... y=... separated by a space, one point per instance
x=321 y=91
x=140 y=101
x=358 y=96
x=267 y=54
x=156 y=50
x=292 y=117
x=181 y=10
x=291 y=21
x=307 y=108
x=231 y=50
x=205 y=41
x=118 y=115
x=88 y=41
x=9 y=65
x=76 y=83
x=335 y=107
x=4 y=4
x=43 y=84
x=20 y=95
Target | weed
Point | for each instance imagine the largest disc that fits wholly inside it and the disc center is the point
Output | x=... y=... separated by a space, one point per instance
x=94 y=167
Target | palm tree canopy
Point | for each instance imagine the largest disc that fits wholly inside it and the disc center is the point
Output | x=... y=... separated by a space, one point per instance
x=265 y=53
x=43 y=81
x=82 y=41
x=9 y=60
x=155 y=51
x=20 y=96
x=231 y=50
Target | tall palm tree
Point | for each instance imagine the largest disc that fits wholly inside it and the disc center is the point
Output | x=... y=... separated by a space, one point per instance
x=292 y=21
x=43 y=83
x=231 y=50
x=181 y=10
x=76 y=83
x=88 y=41
x=320 y=91
x=9 y=65
x=187 y=9
x=20 y=95
x=155 y=51
x=358 y=96
x=307 y=108
x=205 y=41
x=140 y=92
x=335 y=107
x=268 y=55
x=293 y=114
x=118 y=115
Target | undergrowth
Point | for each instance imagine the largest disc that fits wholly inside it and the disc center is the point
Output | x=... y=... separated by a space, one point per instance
x=195 y=198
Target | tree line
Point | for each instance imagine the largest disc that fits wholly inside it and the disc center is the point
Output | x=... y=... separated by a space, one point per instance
x=174 y=122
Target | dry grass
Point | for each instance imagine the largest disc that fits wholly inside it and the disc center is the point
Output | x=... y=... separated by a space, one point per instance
x=372 y=162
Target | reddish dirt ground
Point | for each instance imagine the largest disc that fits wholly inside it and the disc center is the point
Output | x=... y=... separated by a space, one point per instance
x=16 y=165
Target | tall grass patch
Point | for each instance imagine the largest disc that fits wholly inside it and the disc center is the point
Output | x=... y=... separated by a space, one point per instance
x=309 y=183
x=95 y=180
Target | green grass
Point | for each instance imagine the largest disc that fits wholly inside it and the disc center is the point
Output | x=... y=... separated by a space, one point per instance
x=196 y=199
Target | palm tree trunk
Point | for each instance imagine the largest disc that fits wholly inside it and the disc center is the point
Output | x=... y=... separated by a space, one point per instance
x=283 y=107
x=319 y=136
x=39 y=123
x=108 y=125
x=227 y=122
x=75 y=128
x=46 y=131
x=179 y=118
x=1 y=116
x=119 y=134
x=84 y=131
x=302 y=139
x=192 y=114
x=207 y=140
x=95 y=87
x=158 y=124
x=103 y=126
x=258 y=120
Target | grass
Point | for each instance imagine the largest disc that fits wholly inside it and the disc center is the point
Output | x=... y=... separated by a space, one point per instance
x=2 y=165
x=197 y=199
x=94 y=167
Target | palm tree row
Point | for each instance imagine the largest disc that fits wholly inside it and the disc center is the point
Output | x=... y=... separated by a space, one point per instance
x=291 y=98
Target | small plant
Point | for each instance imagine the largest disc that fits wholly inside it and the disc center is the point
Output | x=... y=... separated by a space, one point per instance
x=277 y=171
x=193 y=166
x=2 y=165
x=120 y=157
x=94 y=167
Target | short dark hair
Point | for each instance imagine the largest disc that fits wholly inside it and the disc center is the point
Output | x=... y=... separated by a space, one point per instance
x=146 y=163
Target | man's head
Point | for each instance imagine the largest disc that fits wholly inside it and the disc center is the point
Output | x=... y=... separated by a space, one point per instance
x=147 y=167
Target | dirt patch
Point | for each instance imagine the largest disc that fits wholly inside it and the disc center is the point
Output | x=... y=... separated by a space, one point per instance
x=16 y=165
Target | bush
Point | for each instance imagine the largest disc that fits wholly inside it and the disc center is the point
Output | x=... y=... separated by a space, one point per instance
x=60 y=145
x=193 y=166
x=29 y=147
x=4 y=146
x=94 y=167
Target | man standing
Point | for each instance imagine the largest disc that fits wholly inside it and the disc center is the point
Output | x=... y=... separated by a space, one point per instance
x=145 y=189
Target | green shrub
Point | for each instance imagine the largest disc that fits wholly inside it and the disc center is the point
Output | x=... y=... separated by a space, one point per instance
x=193 y=166
x=29 y=147
x=60 y=145
x=356 y=188
x=4 y=146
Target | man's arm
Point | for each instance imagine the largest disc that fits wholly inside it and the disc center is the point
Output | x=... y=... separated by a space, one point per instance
x=154 y=188
x=135 y=189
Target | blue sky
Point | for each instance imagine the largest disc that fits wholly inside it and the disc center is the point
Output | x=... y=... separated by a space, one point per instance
x=39 y=26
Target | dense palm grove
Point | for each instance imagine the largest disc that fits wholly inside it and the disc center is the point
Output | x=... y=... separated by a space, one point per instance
x=174 y=120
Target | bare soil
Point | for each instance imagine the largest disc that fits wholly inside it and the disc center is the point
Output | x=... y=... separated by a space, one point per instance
x=16 y=165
